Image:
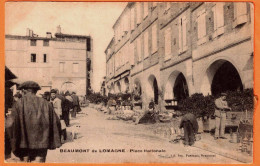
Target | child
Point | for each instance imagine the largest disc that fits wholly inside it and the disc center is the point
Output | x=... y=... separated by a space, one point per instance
x=190 y=125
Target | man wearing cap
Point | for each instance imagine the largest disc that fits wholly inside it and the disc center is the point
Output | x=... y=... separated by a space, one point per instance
x=35 y=125
x=221 y=107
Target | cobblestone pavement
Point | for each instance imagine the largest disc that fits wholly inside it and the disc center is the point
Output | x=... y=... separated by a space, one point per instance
x=129 y=143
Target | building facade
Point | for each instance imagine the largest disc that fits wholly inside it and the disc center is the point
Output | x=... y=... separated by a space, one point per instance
x=171 y=50
x=62 y=62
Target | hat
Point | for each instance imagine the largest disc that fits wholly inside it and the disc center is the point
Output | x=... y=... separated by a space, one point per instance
x=18 y=95
x=53 y=91
x=223 y=94
x=29 y=85
x=67 y=93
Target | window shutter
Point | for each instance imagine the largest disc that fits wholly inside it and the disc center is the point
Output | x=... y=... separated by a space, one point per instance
x=154 y=38
x=145 y=9
x=146 y=44
x=201 y=24
x=132 y=53
x=240 y=13
x=220 y=14
x=215 y=17
x=184 y=32
x=167 y=41
x=180 y=34
x=138 y=13
x=132 y=18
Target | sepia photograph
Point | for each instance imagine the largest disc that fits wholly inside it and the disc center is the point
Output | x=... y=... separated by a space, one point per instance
x=129 y=82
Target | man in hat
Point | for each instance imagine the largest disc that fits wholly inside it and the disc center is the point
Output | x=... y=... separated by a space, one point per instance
x=35 y=125
x=57 y=106
x=221 y=107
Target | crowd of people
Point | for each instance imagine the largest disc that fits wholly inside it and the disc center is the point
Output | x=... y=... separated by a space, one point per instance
x=35 y=124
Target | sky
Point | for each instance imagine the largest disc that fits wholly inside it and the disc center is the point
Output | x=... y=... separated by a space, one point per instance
x=81 y=18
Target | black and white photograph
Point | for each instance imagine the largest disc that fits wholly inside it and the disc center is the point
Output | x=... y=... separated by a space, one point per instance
x=129 y=82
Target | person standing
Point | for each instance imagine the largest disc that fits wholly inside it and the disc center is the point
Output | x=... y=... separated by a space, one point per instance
x=190 y=125
x=56 y=102
x=76 y=105
x=68 y=106
x=221 y=107
x=35 y=125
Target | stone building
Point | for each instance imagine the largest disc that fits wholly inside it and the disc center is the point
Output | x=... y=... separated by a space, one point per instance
x=62 y=62
x=171 y=50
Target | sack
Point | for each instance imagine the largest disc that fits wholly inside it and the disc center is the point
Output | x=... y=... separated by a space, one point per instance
x=63 y=125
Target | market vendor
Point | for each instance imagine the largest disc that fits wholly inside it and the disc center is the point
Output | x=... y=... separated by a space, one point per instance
x=150 y=115
x=221 y=107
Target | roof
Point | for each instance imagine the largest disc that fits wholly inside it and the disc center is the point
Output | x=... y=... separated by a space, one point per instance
x=110 y=43
x=62 y=35
x=127 y=6
x=27 y=37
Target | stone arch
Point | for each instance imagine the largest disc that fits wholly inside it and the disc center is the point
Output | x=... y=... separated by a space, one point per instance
x=176 y=86
x=137 y=86
x=126 y=82
x=152 y=88
x=68 y=86
x=112 y=88
x=221 y=75
x=118 y=87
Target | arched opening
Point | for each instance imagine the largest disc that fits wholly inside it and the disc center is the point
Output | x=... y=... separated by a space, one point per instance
x=225 y=79
x=219 y=77
x=180 y=89
x=153 y=89
x=176 y=87
x=112 y=88
x=118 y=87
x=126 y=85
x=68 y=86
x=137 y=89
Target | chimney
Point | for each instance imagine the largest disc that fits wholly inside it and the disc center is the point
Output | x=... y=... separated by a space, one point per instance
x=58 y=29
x=27 y=32
x=48 y=35
x=31 y=33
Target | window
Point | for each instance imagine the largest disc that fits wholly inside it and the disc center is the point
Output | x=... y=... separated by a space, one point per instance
x=88 y=44
x=75 y=67
x=62 y=64
x=132 y=53
x=139 y=49
x=45 y=42
x=182 y=34
x=167 y=42
x=154 y=38
x=33 y=58
x=201 y=28
x=145 y=10
x=146 y=44
x=138 y=12
x=218 y=11
x=125 y=24
x=33 y=42
x=240 y=13
x=44 y=58
x=132 y=18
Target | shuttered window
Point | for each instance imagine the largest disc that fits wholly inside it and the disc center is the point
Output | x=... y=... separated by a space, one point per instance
x=167 y=41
